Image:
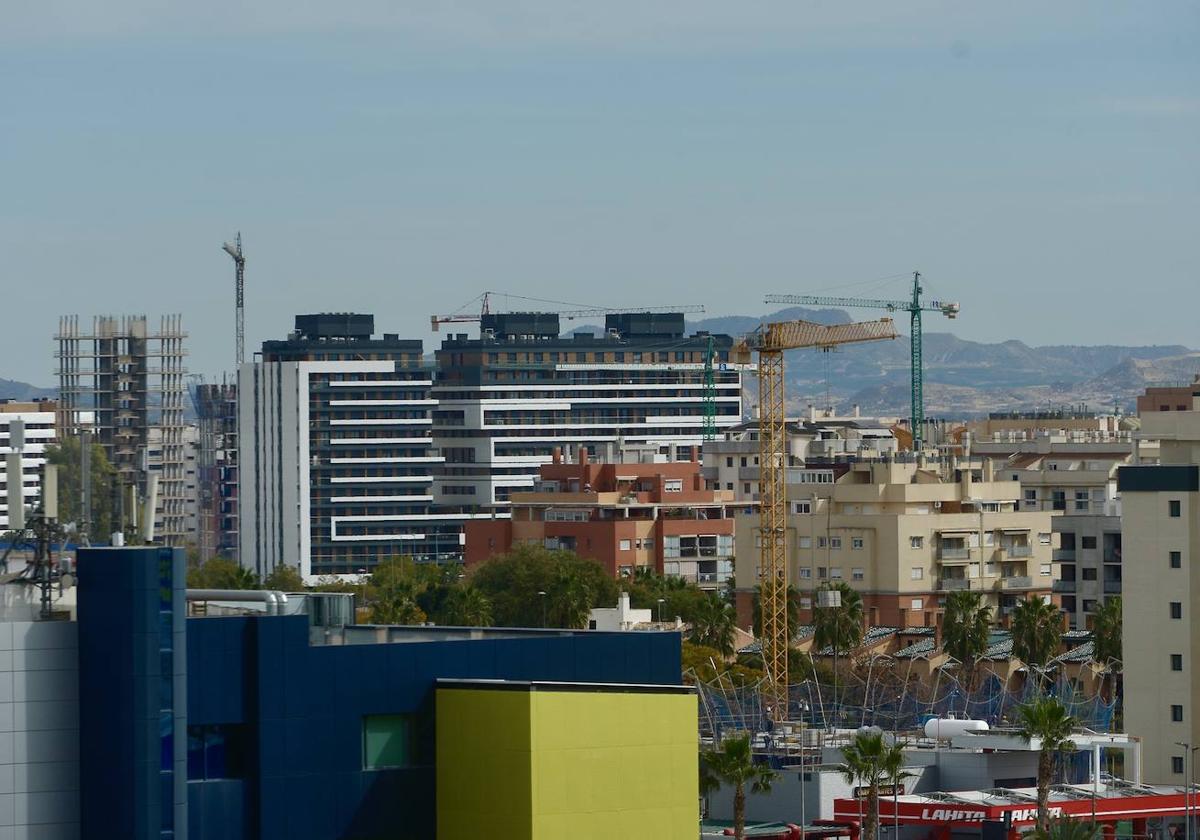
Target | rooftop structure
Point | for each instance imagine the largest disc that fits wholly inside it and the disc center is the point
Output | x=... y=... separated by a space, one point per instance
x=36 y=421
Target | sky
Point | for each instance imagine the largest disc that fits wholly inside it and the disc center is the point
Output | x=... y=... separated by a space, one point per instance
x=1038 y=162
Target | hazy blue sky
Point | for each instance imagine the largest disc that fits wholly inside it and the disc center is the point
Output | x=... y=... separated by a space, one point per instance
x=1038 y=161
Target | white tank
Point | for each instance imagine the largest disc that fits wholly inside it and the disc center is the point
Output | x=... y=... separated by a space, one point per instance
x=945 y=728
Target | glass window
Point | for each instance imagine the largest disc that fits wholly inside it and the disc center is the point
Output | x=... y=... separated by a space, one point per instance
x=916 y=573
x=1044 y=538
x=1088 y=542
x=857 y=574
x=1173 y=508
x=625 y=546
x=917 y=604
x=1089 y=574
x=1176 y=609
x=1045 y=569
x=1177 y=714
x=805 y=542
x=802 y=507
x=1177 y=764
x=856 y=543
x=835 y=542
x=1176 y=560
x=822 y=542
x=821 y=572
x=387 y=741
x=916 y=542
x=806 y=573
x=1176 y=661
x=835 y=573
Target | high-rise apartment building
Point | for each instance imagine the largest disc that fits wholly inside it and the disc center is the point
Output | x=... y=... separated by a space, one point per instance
x=1160 y=524
x=904 y=534
x=506 y=400
x=335 y=457
x=37 y=421
x=127 y=379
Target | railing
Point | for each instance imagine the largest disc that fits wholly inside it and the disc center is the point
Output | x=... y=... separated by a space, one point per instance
x=1064 y=555
x=1018 y=582
x=1019 y=550
x=1112 y=555
x=954 y=584
x=1063 y=586
x=945 y=553
x=1112 y=587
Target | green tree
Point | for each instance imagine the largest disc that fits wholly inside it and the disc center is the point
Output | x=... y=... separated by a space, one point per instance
x=1106 y=637
x=732 y=763
x=394 y=591
x=466 y=606
x=221 y=573
x=284 y=578
x=966 y=630
x=708 y=665
x=1036 y=633
x=869 y=762
x=1046 y=720
x=679 y=597
x=839 y=628
x=572 y=586
x=714 y=626
x=65 y=456
x=1064 y=828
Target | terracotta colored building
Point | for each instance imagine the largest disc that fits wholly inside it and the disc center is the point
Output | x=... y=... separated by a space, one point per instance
x=626 y=516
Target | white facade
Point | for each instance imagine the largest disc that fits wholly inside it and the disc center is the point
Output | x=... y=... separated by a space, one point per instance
x=310 y=495
x=39 y=433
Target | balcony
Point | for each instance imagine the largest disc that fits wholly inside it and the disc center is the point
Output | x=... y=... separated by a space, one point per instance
x=1064 y=555
x=1112 y=587
x=1019 y=550
x=1063 y=586
x=954 y=584
x=1017 y=582
x=945 y=553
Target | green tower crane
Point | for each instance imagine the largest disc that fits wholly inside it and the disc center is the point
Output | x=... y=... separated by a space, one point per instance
x=914 y=308
x=710 y=393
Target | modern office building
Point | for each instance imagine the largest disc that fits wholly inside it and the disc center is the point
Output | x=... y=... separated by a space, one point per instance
x=904 y=533
x=1160 y=526
x=625 y=514
x=265 y=726
x=124 y=381
x=335 y=459
x=37 y=431
x=506 y=400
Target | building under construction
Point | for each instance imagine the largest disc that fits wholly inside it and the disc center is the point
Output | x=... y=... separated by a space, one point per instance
x=124 y=382
x=217 y=469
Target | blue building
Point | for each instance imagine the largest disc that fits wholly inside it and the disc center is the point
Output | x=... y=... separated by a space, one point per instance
x=253 y=726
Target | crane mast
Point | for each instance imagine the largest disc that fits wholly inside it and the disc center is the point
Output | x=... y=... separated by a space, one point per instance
x=914 y=307
x=239 y=294
x=770 y=342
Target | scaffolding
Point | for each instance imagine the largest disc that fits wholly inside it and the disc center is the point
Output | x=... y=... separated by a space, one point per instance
x=124 y=383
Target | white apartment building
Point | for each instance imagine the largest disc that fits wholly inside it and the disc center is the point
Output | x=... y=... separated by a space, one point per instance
x=1160 y=524
x=904 y=534
x=507 y=400
x=37 y=419
x=335 y=455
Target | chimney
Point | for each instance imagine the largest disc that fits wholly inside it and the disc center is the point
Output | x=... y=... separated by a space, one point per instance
x=557 y=455
x=938 y=626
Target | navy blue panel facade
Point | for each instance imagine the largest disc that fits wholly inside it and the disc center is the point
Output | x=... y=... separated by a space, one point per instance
x=132 y=685
x=1159 y=479
x=303 y=708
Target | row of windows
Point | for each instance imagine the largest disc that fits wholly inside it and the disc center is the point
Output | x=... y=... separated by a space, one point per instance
x=551 y=393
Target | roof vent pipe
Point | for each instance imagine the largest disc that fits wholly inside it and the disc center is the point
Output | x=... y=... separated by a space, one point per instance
x=272 y=598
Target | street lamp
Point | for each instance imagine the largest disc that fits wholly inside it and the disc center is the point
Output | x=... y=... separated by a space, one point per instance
x=661 y=601
x=1188 y=751
x=542 y=597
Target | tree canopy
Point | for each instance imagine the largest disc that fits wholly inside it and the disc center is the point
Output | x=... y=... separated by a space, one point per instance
x=572 y=586
x=65 y=455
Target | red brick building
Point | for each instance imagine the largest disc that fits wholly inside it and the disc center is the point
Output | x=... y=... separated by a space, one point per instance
x=625 y=516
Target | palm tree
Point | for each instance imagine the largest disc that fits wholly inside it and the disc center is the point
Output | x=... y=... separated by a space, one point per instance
x=1047 y=720
x=869 y=761
x=713 y=625
x=1036 y=633
x=468 y=607
x=838 y=627
x=732 y=763
x=966 y=630
x=1064 y=828
x=1106 y=634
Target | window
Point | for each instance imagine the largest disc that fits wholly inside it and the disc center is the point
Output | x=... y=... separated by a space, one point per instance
x=1176 y=661
x=857 y=574
x=1176 y=560
x=917 y=604
x=1176 y=609
x=1058 y=499
x=746 y=487
x=1089 y=605
x=743 y=462
x=856 y=543
x=216 y=751
x=835 y=573
x=673 y=485
x=1030 y=495
x=1173 y=508
x=804 y=542
x=835 y=543
x=728 y=485
x=1089 y=574
x=916 y=542
x=1045 y=570
x=806 y=574
x=1082 y=498
x=821 y=573
x=822 y=542
x=916 y=573
x=802 y=507
x=388 y=741
x=1177 y=764
x=1088 y=542
x=1176 y=714
x=728 y=461
x=624 y=546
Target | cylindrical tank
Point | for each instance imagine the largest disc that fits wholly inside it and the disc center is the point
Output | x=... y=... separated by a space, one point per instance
x=943 y=728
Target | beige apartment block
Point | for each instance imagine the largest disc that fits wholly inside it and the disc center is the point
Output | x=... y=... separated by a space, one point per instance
x=905 y=534
x=1160 y=523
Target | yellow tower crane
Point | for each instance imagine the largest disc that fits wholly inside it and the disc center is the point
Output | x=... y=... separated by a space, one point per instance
x=770 y=341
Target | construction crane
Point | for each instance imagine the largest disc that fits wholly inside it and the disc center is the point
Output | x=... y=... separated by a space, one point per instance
x=770 y=341
x=239 y=294
x=914 y=307
x=710 y=391
x=485 y=309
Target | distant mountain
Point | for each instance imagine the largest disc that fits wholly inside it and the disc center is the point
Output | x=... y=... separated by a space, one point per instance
x=10 y=389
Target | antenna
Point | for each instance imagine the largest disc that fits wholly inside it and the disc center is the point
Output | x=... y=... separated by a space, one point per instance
x=239 y=260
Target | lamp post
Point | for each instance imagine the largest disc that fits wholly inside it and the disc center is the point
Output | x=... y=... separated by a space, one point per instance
x=1188 y=752
x=542 y=598
x=661 y=601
